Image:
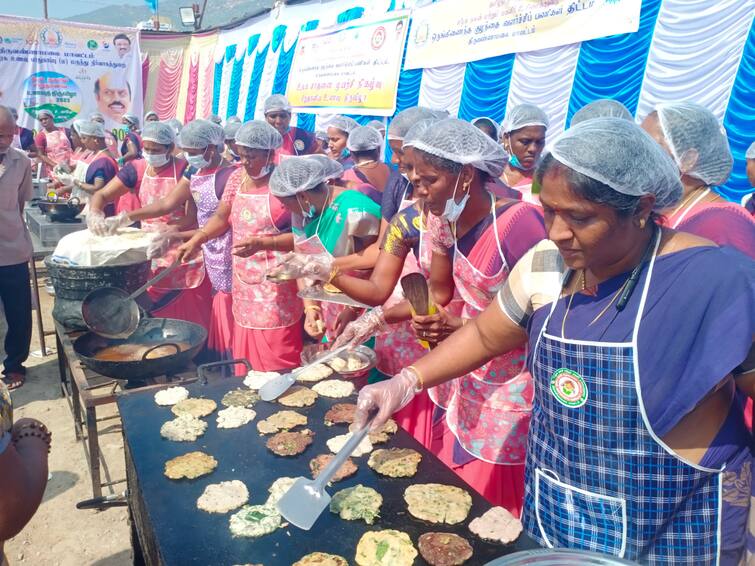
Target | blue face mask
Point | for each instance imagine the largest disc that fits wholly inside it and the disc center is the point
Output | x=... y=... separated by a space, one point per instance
x=310 y=213
x=514 y=162
x=345 y=153
x=126 y=128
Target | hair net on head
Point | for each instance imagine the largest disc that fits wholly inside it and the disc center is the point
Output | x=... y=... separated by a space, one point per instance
x=404 y=120
x=602 y=108
x=76 y=126
x=330 y=167
x=230 y=130
x=523 y=115
x=97 y=117
x=750 y=154
x=198 y=134
x=233 y=120
x=176 y=124
x=297 y=174
x=215 y=119
x=417 y=131
x=364 y=138
x=343 y=123
x=159 y=132
x=485 y=120
x=378 y=125
x=697 y=141
x=149 y=114
x=91 y=128
x=131 y=119
x=620 y=154
x=276 y=103
x=42 y=113
x=320 y=135
x=460 y=142
x=258 y=135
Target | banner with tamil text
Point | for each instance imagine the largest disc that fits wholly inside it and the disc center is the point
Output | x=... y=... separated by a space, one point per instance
x=70 y=69
x=352 y=69
x=453 y=31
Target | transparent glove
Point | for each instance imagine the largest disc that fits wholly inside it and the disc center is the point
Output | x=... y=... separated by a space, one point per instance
x=65 y=179
x=362 y=329
x=96 y=223
x=162 y=241
x=113 y=223
x=386 y=397
x=296 y=265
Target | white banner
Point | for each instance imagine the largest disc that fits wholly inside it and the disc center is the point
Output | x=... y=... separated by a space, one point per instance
x=455 y=31
x=353 y=68
x=70 y=69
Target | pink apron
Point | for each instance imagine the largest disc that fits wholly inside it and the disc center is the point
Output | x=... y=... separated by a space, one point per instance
x=489 y=412
x=58 y=148
x=216 y=252
x=189 y=275
x=257 y=302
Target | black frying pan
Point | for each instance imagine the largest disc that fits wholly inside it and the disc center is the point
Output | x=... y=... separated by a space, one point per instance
x=61 y=210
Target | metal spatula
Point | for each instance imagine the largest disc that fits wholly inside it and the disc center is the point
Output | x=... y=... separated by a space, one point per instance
x=279 y=385
x=306 y=499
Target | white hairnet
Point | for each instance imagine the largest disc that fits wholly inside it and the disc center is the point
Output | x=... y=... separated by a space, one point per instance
x=297 y=174
x=404 y=120
x=364 y=138
x=91 y=128
x=697 y=141
x=215 y=119
x=601 y=108
x=343 y=123
x=97 y=117
x=378 y=125
x=131 y=119
x=750 y=151
x=523 y=115
x=620 y=154
x=199 y=134
x=460 y=142
x=486 y=119
x=230 y=130
x=149 y=114
x=320 y=135
x=42 y=113
x=76 y=124
x=159 y=132
x=233 y=120
x=276 y=103
x=258 y=134
x=417 y=131
x=331 y=168
x=176 y=124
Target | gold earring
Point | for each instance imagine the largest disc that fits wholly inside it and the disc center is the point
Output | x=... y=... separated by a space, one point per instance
x=642 y=223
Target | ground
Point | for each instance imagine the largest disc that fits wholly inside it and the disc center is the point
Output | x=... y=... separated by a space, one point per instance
x=59 y=534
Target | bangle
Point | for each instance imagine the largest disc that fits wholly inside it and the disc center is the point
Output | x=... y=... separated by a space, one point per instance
x=38 y=430
x=334 y=272
x=308 y=308
x=420 y=381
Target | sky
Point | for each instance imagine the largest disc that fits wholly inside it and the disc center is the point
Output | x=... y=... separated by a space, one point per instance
x=58 y=8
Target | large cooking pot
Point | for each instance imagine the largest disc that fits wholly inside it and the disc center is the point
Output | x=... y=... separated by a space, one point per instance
x=61 y=210
x=73 y=283
x=158 y=346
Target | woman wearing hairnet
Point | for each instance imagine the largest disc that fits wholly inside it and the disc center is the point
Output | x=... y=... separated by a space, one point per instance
x=151 y=116
x=230 y=154
x=324 y=223
x=79 y=162
x=277 y=110
x=698 y=144
x=131 y=148
x=168 y=207
x=637 y=430
x=369 y=175
x=112 y=143
x=601 y=108
x=523 y=137
x=267 y=316
x=102 y=166
x=53 y=144
x=339 y=128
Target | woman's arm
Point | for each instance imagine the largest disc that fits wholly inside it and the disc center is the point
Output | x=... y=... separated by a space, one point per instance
x=217 y=225
x=132 y=153
x=378 y=288
x=173 y=200
x=91 y=188
x=365 y=259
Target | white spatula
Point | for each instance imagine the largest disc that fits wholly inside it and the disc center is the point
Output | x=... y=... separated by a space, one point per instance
x=306 y=499
x=279 y=385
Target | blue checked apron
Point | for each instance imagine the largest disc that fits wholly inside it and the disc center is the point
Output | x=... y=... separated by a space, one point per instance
x=597 y=477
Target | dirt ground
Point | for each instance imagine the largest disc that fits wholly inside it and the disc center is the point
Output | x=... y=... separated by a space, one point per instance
x=59 y=534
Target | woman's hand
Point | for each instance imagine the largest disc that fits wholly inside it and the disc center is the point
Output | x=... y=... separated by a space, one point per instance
x=296 y=265
x=188 y=250
x=345 y=317
x=386 y=397
x=361 y=329
x=436 y=327
x=248 y=247
x=314 y=325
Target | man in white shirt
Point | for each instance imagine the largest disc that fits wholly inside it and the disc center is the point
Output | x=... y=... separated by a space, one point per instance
x=15 y=251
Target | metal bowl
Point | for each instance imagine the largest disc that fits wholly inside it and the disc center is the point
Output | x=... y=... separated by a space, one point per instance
x=309 y=353
x=558 y=557
x=61 y=211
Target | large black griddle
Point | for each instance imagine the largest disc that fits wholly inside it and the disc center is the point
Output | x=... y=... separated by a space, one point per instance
x=173 y=531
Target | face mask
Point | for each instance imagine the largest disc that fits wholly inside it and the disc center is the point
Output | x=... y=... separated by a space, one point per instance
x=310 y=212
x=514 y=162
x=126 y=128
x=197 y=161
x=344 y=153
x=156 y=159
x=452 y=211
x=233 y=154
x=264 y=170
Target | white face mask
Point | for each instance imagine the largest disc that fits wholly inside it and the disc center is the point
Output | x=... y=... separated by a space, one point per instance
x=156 y=159
x=266 y=168
x=452 y=211
x=197 y=161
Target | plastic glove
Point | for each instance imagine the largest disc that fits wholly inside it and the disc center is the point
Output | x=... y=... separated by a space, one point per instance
x=96 y=223
x=113 y=223
x=65 y=179
x=295 y=266
x=362 y=329
x=314 y=325
x=161 y=242
x=387 y=397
